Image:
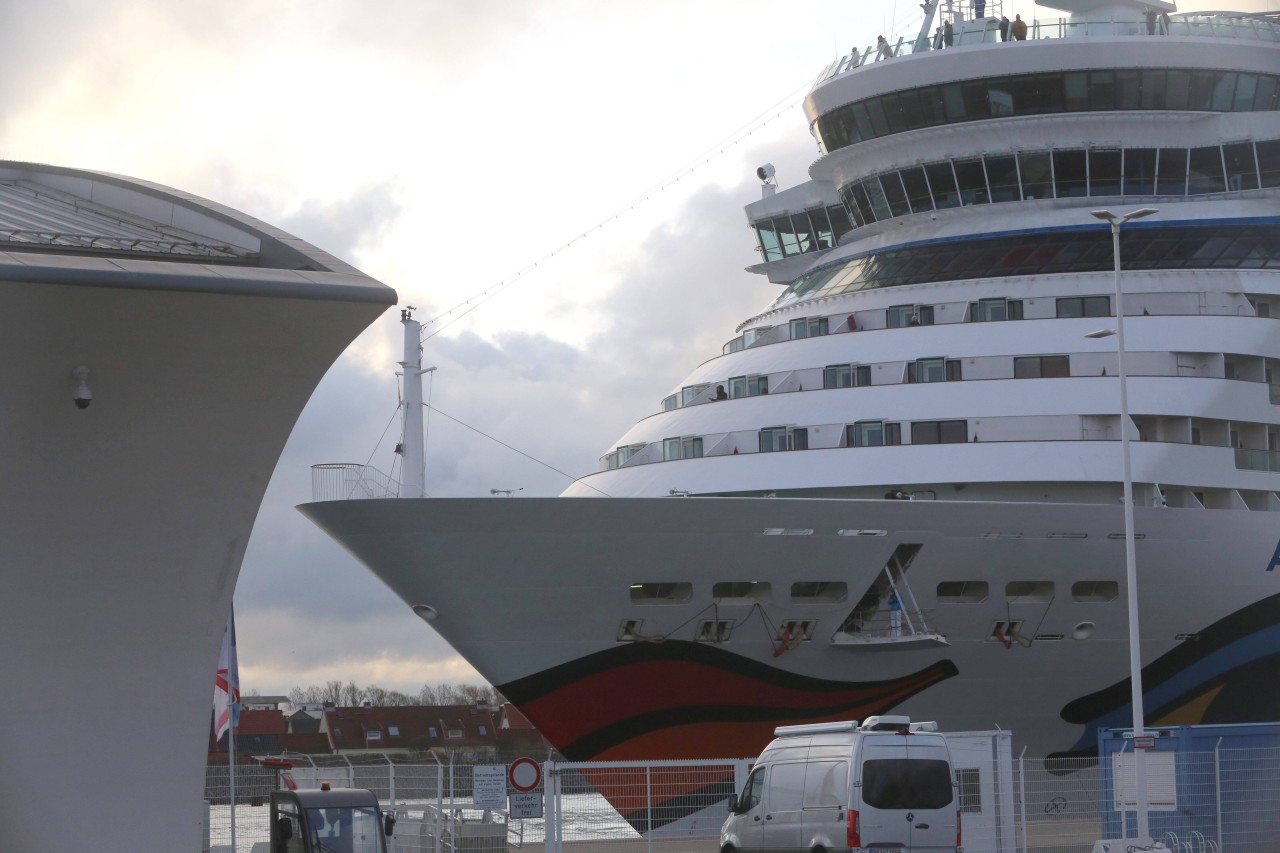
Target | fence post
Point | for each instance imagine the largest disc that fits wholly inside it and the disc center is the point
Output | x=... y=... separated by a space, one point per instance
x=552 y=830
x=391 y=781
x=1022 y=794
x=1217 y=787
x=648 y=807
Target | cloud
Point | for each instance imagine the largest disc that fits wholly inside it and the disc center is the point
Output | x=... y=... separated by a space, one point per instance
x=344 y=226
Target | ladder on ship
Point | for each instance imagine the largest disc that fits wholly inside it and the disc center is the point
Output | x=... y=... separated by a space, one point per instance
x=888 y=615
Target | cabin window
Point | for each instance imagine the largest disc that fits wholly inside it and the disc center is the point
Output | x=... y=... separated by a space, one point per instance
x=939 y=432
x=748 y=386
x=933 y=370
x=846 y=375
x=689 y=393
x=1084 y=306
x=393 y=731
x=900 y=316
x=783 y=438
x=989 y=310
x=808 y=327
x=1041 y=366
x=873 y=434
x=669 y=403
x=661 y=592
x=686 y=447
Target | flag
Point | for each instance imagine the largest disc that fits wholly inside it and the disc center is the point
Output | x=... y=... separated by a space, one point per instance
x=226 y=689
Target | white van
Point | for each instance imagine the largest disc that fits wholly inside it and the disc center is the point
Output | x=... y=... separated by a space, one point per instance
x=887 y=785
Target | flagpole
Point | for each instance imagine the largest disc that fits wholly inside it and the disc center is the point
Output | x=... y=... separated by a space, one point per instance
x=231 y=764
x=226 y=706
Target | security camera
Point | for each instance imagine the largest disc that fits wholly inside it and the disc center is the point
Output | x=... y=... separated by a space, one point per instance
x=82 y=395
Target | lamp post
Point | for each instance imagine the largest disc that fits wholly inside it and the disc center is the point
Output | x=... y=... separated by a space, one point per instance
x=1130 y=555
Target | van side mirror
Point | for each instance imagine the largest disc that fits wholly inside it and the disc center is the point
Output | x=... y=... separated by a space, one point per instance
x=733 y=803
x=388 y=824
x=284 y=828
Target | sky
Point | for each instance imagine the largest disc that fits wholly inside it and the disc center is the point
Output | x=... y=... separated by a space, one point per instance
x=581 y=163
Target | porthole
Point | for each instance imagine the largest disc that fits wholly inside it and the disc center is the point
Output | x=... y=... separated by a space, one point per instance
x=661 y=592
x=740 y=592
x=962 y=592
x=1100 y=591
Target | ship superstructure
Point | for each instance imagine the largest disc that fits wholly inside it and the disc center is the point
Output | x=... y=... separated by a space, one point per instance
x=155 y=351
x=898 y=486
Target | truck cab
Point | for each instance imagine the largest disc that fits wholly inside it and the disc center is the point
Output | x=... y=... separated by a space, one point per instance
x=328 y=820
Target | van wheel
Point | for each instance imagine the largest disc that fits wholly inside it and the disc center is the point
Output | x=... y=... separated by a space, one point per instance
x=819 y=850
x=728 y=848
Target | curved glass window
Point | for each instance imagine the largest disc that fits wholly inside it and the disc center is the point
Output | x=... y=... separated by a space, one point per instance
x=1082 y=249
x=1042 y=94
x=798 y=233
x=1061 y=173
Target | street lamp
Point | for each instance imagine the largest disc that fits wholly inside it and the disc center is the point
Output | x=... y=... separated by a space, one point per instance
x=1130 y=555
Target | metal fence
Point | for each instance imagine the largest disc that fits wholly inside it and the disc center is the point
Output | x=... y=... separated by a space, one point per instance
x=1224 y=801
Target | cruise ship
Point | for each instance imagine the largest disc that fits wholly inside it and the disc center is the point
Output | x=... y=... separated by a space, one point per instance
x=156 y=349
x=898 y=487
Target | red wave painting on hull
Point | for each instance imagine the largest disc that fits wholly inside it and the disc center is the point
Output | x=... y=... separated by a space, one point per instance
x=688 y=700
x=683 y=700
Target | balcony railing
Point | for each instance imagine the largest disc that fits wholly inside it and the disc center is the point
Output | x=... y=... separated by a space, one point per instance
x=1257 y=460
x=344 y=481
x=1258 y=27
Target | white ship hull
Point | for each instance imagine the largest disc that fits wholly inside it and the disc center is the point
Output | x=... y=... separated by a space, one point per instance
x=534 y=594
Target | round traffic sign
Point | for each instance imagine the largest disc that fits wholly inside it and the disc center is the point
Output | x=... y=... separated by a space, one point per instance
x=524 y=774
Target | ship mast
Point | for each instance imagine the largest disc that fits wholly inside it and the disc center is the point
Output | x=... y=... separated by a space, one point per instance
x=413 y=480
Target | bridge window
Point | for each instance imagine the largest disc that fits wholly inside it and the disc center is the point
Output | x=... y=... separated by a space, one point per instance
x=1042 y=94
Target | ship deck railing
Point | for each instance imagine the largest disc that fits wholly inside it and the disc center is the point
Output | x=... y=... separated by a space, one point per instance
x=345 y=481
x=1263 y=26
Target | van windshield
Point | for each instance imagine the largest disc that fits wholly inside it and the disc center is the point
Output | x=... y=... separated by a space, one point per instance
x=906 y=783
